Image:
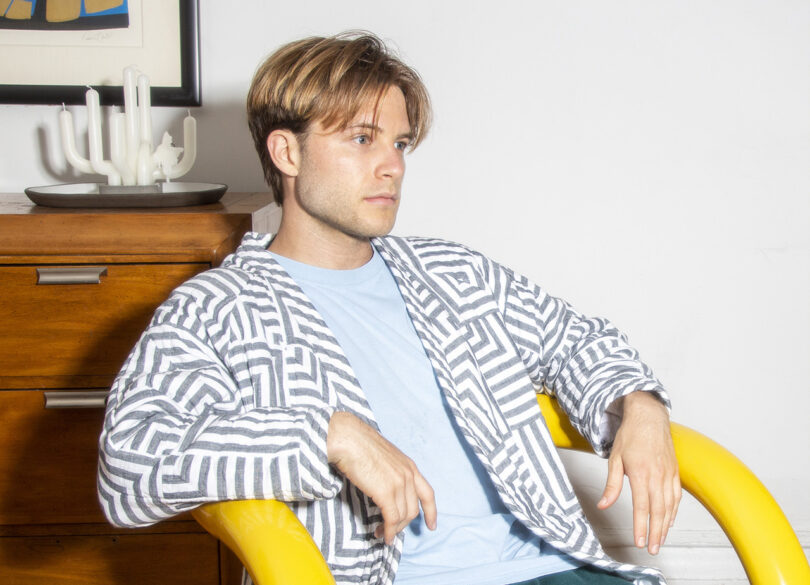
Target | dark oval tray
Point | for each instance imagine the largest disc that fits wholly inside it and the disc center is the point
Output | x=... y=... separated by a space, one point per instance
x=173 y=194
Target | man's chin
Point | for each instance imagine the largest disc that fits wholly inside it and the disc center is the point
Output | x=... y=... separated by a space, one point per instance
x=368 y=235
x=374 y=230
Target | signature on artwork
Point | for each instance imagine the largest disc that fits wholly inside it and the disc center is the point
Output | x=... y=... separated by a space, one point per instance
x=96 y=35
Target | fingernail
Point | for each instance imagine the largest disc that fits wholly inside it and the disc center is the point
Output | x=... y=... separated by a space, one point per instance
x=602 y=502
x=640 y=542
x=654 y=549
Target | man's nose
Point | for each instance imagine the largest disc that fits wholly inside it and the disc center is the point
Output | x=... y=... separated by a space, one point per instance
x=392 y=163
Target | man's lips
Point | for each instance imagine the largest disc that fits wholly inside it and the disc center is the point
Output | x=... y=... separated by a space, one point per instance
x=383 y=199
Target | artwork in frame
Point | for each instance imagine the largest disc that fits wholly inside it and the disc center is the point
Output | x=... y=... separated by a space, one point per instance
x=51 y=51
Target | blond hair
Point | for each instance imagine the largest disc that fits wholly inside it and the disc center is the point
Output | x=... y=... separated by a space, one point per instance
x=328 y=80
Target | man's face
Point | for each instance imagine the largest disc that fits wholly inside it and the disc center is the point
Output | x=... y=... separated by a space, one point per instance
x=349 y=180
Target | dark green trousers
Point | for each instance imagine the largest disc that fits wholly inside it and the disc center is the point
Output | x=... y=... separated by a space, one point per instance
x=580 y=576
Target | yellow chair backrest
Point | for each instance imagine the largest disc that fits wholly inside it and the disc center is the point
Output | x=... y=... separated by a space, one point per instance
x=276 y=549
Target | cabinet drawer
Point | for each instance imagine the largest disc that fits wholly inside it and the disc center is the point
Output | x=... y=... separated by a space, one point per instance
x=48 y=461
x=175 y=559
x=74 y=335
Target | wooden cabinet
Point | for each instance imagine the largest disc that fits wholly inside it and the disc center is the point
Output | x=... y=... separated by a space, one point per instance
x=77 y=287
x=87 y=326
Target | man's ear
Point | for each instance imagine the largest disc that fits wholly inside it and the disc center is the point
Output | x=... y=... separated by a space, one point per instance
x=285 y=151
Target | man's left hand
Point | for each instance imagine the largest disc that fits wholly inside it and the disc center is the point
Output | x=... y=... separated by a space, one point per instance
x=644 y=452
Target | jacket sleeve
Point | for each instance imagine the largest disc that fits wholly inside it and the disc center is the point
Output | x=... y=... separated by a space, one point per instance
x=586 y=363
x=180 y=431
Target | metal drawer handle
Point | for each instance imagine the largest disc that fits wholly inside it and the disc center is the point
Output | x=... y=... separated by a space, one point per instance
x=73 y=399
x=71 y=274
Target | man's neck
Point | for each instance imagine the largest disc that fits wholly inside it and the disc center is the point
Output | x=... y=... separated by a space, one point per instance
x=314 y=249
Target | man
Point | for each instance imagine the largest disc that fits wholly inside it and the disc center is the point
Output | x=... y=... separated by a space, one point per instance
x=384 y=387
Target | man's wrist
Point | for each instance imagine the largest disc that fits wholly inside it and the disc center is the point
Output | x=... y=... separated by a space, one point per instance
x=335 y=443
x=640 y=399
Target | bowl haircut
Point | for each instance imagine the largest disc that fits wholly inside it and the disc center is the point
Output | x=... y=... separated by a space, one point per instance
x=328 y=80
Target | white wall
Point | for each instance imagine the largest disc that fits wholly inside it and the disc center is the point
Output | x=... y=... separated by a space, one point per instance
x=648 y=161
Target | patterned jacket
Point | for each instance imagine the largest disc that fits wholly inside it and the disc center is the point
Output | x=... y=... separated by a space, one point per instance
x=229 y=392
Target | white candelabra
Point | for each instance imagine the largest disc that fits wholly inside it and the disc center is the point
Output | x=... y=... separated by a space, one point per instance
x=132 y=158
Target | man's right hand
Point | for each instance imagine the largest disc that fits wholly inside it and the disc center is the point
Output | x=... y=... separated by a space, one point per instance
x=382 y=472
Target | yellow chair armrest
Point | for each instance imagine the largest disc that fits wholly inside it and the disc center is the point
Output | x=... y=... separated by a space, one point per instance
x=757 y=528
x=754 y=523
x=276 y=549
x=268 y=538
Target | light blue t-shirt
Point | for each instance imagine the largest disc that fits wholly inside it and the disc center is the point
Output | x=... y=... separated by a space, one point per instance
x=477 y=541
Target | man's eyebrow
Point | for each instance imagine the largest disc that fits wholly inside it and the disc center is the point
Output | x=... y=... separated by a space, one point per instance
x=376 y=129
x=364 y=126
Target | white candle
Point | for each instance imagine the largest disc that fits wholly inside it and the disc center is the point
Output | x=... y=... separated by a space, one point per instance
x=189 y=140
x=189 y=149
x=118 y=148
x=131 y=113
x=145 y=110
x=93 y=125
x=97 y=161
x=146 y=167
x=72 y=155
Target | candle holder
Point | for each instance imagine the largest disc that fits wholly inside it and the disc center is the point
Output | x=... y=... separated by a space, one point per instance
x=138 y=175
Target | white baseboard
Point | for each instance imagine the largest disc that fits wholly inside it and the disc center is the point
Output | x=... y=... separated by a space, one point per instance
x=690 y=557
x=618 y=537
x=699 y=581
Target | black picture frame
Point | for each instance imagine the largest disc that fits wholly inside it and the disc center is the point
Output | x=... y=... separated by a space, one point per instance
x=187 y=93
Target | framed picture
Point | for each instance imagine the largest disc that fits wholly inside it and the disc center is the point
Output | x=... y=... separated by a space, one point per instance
x=52 y=50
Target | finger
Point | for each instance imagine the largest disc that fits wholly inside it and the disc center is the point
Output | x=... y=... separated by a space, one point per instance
x=391 y=529
x=658 y=516
x=412 y=500
x=678 y=493
x=388 y=529
x=641 y=512
x=672 y=507
x=405 y=506
x=669 y=504
x=428 y=500
x=676 y=501
x=392 y=508
x=613 y=485
x=671 y=501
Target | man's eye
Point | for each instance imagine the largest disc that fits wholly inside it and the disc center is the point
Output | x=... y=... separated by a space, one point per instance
x=401 y=145
x=362 y=139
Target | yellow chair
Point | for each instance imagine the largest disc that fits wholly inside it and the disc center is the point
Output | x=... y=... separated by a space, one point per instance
x=277 y=550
